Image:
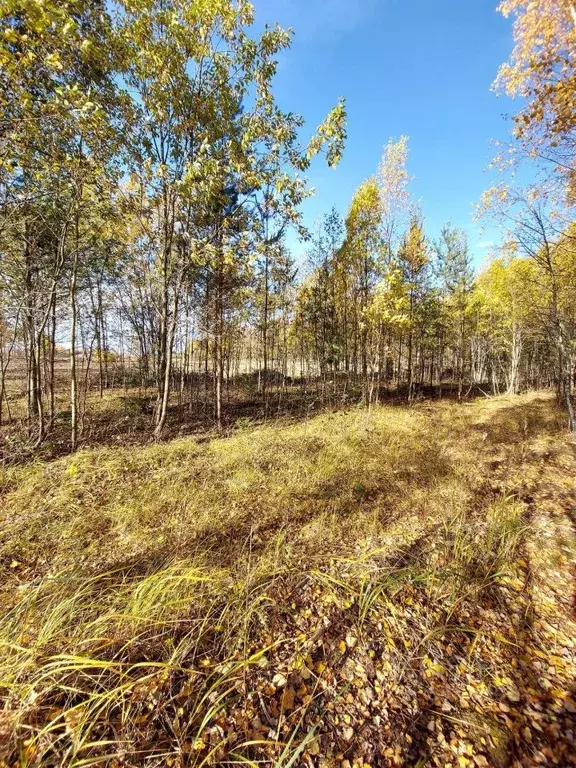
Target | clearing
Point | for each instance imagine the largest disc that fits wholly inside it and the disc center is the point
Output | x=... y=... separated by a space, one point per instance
x=384 y=588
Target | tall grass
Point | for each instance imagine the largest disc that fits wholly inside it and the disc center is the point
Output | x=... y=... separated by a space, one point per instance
x=482 y=547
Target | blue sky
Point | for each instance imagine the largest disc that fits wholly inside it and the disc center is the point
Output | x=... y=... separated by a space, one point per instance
x=405 y=67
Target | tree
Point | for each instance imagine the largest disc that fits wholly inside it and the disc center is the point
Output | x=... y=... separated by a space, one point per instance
x=58 y=126
x=542 y=71
x=363 y=245
x=209 y=138
x=508 y=295
x=454 y=270
x=413 y=260
x=388 y=314
x=396 y=204
x=541 y=231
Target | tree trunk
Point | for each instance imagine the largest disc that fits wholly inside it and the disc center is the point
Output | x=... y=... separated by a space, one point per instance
x=73 y=375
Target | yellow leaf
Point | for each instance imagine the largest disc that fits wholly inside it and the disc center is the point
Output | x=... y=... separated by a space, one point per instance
x=198 y=745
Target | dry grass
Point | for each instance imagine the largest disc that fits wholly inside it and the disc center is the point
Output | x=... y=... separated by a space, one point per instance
x=197 y=603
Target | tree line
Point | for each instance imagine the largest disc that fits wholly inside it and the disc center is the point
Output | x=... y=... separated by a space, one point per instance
x=148 y=181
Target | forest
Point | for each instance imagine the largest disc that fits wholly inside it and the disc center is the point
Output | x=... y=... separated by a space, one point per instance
x=277 y=490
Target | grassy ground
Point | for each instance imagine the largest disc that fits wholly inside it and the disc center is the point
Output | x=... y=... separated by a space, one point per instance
x=124 y=416
x=393 y=588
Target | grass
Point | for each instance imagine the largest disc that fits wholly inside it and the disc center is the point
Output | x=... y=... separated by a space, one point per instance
x=321 y=591
x=483 y=549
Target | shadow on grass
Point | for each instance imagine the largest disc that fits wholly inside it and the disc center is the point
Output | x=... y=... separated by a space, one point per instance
x=516 y=423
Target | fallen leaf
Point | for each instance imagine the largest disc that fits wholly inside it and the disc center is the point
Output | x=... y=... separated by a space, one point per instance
x=288 y=698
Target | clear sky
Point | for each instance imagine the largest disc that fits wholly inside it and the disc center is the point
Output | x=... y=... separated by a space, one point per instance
x=411 y=67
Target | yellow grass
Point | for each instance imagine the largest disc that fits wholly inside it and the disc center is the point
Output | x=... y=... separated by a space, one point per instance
x=155 y=598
